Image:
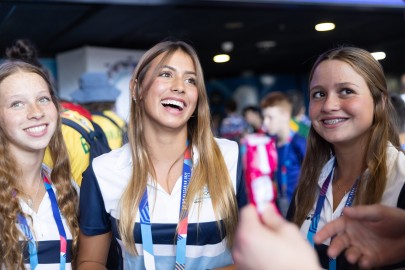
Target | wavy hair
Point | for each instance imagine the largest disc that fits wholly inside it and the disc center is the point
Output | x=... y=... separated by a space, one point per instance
x=210 y=169
x=382 y=131
x=11 y=255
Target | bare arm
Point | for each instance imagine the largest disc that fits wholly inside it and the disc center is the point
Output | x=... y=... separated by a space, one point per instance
x=93 y=251
x=372 y=235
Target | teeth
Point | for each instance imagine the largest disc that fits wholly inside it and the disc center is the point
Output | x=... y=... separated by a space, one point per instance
x=333 y=121
x=36 y=129
x=173 y=102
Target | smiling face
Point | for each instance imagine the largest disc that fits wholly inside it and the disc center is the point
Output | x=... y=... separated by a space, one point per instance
x=172 y=96
x=28 y=117
x=341 y=106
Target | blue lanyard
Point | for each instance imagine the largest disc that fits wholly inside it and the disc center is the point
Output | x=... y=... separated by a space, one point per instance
x=319 y=205
x=284 y=165
x=146 y=230
x=32 y=247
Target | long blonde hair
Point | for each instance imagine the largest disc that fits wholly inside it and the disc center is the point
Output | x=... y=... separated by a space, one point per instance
x=210 y=170
x=11 y=253
x=382 y=131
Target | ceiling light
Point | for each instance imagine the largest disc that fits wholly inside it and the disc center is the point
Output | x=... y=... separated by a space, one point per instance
x=227 y=46
x=221 y=58
x=378 y=55
x=266 y=44
x=327 y=26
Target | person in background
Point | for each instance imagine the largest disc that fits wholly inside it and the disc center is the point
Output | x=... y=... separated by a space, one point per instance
x=98 y=96
x=291 y=146
x=39 y=227
x=399 y=116
x=233 y=125
x=353 y=155
x=254 y=119
x=300 y=122
x=171 y=195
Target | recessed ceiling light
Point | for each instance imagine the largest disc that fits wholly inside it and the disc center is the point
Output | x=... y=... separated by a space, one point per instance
x=266 y=44
x=327 y=26
x=378 y=55
x=221 y=58
x=227 y=46
x=234 y=25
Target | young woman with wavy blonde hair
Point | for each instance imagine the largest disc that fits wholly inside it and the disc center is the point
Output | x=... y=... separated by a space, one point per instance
x=38 y=218
x=170 y=197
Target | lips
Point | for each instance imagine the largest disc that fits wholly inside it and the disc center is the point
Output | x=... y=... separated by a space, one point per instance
x=173 y=104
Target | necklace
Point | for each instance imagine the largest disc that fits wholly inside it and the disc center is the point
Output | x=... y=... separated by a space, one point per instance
x=30 y=200
x=340 y=188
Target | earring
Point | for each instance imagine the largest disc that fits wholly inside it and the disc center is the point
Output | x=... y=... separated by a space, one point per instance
x=134 y=98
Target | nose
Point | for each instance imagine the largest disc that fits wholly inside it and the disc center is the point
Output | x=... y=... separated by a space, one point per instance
x=35 y=111
x=331 y=103
x=178 y=85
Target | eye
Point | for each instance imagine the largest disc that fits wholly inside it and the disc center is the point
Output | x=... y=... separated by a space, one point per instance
x=165 y=74
x=317 y=94
x=191 y=81
x=45 y=100
x=17 y=104
x=346 y=91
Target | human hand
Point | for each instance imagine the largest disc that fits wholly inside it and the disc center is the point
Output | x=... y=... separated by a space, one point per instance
x=372 y=235
x=271 y=243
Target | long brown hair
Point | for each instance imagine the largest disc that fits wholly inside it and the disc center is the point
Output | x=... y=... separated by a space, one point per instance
x=382 y=131
x=11 y=254
x=210 y=169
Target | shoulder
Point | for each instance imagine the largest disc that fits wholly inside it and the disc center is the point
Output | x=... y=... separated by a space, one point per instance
x=227 y=146
x=395 y=162
x=115 y=159
x=111 y=171
x=394 y=190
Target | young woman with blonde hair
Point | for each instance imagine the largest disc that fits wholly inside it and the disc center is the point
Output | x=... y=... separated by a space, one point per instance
x=170 y=196
x=353 y=153
x=38 y=218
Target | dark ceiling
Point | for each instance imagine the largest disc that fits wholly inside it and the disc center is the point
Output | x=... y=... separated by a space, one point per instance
x=57 y=26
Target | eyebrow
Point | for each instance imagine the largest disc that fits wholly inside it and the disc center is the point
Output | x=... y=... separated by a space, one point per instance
x=337 y=84
x=186 y=72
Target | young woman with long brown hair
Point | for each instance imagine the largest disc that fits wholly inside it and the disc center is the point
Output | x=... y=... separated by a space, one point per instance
x=170 y=197
x=353 y=153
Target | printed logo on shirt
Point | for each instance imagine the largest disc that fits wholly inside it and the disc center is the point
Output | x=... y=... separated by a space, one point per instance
x=205 y=195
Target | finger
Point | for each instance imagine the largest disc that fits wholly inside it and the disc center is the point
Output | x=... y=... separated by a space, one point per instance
x=364 y=212
x=332 y=228
x=353 y=255
x=366 y=262
x=272 y=219
x=249 y=214
x=338 y=244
